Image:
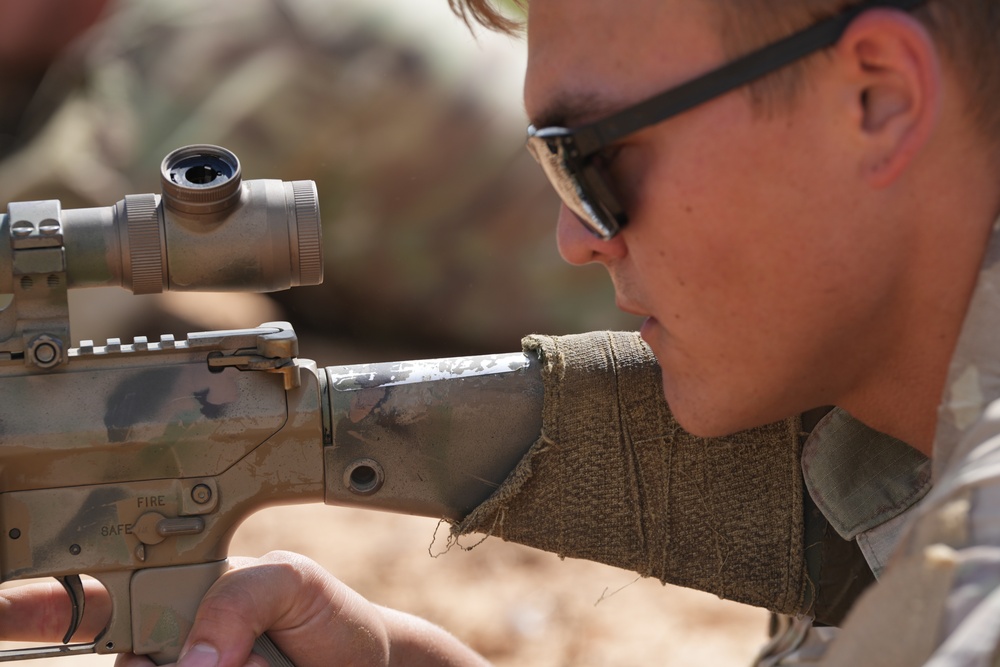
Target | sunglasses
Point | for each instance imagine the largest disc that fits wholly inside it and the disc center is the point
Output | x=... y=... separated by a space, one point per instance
x=568 y=155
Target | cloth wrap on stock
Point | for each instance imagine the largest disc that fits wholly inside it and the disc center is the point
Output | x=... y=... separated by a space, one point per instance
x=613 y=478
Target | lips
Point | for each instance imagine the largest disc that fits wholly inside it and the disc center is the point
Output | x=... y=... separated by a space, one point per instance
x=630 y=308
x=646 y=330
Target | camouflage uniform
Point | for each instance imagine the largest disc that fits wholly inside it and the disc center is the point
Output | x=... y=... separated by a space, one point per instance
x=438 y=226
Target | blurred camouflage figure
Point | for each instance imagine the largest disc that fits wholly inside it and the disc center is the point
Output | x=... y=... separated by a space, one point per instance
x=438 y=226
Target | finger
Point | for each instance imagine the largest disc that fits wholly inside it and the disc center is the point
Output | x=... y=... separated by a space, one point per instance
x=42 y=612
x=311 y=616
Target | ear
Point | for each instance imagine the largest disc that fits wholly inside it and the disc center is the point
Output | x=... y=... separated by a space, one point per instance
x=894 y=75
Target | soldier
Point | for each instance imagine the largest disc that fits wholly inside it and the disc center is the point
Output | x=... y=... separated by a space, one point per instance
x=825 y=236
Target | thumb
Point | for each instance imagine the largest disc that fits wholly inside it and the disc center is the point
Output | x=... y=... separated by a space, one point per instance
x=312 y=617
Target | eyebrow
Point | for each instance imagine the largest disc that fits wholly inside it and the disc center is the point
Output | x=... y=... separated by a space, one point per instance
x=574 y=109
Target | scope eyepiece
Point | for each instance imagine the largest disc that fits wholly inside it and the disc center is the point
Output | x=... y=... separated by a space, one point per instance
x=200 y=179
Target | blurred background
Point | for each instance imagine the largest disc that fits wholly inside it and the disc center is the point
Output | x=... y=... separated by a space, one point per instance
x=438 y=241
x=438 y=226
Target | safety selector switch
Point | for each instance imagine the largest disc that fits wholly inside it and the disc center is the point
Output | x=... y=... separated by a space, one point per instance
x=153 y=527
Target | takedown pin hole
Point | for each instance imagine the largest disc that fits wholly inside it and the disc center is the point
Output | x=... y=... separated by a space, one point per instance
x=364 y=476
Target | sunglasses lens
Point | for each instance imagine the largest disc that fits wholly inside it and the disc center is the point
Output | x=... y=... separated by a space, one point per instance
x=575 y=190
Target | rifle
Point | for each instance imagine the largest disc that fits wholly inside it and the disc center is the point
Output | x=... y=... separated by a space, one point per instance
x=134 y=462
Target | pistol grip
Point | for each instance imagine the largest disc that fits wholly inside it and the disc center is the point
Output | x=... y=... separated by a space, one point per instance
x=164 y=603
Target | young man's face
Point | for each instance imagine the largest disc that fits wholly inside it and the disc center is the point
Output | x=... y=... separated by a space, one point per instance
x=765 y=280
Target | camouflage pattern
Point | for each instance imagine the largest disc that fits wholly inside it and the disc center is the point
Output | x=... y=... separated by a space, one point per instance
x=438 y=226
x=143 y=459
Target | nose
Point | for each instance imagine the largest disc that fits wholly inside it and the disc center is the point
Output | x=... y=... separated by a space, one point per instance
x=578 y=245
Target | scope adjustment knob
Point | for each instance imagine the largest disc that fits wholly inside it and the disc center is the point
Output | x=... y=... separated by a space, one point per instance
x=308 y=233
x=145 y=270
x=200 y=179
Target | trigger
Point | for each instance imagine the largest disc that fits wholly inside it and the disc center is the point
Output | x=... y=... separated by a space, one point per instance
x=74 y=588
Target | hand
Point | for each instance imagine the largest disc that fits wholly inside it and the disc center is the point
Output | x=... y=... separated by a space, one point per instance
x=310 y=615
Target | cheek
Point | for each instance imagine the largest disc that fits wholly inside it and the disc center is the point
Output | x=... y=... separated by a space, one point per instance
x=689 y=213
x=743 y=223
x=738 y=228
x=696 y=248
x=731 y=279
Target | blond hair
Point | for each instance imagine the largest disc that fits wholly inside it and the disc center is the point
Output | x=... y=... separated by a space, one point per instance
x=486 y=13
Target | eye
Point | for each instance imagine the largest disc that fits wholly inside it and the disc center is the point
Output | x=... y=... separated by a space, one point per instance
x=607 y=162
x=618 y=168
x=605 y=158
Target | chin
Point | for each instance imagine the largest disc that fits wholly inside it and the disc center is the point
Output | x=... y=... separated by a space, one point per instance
x=708 y=415
x=695 y=421
x=705 y=428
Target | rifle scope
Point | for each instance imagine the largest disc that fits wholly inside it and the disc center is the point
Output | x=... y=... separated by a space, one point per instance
x=209 y=231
